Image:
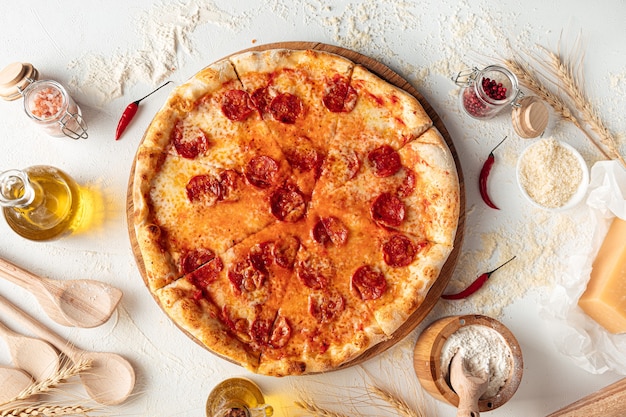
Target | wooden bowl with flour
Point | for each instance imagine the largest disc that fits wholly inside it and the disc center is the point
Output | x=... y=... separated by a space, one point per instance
x=486 y=345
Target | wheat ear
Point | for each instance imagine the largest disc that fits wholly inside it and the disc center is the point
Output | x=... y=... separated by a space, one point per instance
x=49 y=411
x=398 y=404
x=315 y=410
x=46 y=385
x=527 y=78
x=571 y=87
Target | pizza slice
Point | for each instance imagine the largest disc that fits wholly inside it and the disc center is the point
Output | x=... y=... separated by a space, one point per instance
x=387 y=271
x=329 y=324
x=383 y=119
x=413 y=190
x=299 y=94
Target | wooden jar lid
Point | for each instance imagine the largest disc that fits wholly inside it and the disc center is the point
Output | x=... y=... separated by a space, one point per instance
x=14 y=78
x=530 y=118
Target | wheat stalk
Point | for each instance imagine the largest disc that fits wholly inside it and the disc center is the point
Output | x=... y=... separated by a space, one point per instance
x=398 y=404
x=564 y=73
x=65 y=372
x=315 y=410
x=49 y=411
x=528 y=78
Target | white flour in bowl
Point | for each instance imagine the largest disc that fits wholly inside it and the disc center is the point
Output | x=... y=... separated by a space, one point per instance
x=484 y=350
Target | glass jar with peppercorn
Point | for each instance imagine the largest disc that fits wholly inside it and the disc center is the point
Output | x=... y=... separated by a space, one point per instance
x=486 y=92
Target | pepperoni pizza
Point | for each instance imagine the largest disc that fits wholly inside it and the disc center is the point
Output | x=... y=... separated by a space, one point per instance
x=292 y=209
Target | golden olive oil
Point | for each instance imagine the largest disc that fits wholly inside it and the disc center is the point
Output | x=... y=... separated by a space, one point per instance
x=237 y=397
x=56 y=209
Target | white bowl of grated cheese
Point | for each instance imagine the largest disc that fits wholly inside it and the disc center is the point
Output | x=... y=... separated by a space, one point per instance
x=552 y=175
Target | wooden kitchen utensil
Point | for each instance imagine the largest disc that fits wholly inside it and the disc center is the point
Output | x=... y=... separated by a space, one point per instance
x=34 y=356
x=469 y=388
x=109 y=380
x=82 y=303
x=12 y=382
x=610 y=401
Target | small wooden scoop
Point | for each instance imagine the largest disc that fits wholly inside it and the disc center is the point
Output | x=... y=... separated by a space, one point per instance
x=12 y=382
x=469 y=388
x=35 y=356
x=82 y=303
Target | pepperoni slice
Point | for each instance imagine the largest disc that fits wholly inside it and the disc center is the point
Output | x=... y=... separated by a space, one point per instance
x=239 y=326
x=408 y=184
x=330 y=230
x=281 y=333
x=236 y=105
x=325 y=307
x=285 y=251
x=194 y=259
x=399 y=250
x=340 y=96
x=230 y=182
x=345 y=163
x=288 y=204
x=261 y=256
x=205 y=189
x=304 y=157
x=262 y=171
x=315 y=272
x=286 y=108
x=207 y=274
x=368 y=283
x=189 y=142
x=385 y=160
x=245 y=277
x=388 y=210
x=261 y=98
x=260 y=331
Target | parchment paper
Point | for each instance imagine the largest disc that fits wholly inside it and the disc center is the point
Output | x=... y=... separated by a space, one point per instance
x=576 y=335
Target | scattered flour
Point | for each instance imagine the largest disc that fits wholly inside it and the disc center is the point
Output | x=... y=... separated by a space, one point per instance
x=484 y=351
x=163 y=29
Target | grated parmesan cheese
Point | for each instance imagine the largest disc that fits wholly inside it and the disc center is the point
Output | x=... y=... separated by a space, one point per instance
x=550 y=173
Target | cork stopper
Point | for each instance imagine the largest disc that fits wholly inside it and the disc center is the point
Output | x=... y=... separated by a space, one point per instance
x=14 y=78
x=530 y=118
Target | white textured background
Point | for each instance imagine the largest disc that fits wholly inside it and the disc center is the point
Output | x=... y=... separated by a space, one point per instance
x=112 y=52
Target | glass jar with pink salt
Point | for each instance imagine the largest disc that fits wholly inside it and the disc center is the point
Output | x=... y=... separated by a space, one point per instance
x=46 y=102
x=486 y=92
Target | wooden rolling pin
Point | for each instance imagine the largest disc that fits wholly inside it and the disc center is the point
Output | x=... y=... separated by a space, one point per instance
x=610 y=401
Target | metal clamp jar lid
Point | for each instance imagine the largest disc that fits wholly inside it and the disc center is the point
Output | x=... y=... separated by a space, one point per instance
x=46 y=102
x=486 y=92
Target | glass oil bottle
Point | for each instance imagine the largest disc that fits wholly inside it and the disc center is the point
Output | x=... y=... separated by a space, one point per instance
x=237 y=397
x=41 y=202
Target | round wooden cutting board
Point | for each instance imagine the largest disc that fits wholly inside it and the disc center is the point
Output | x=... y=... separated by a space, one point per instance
x=392 y=77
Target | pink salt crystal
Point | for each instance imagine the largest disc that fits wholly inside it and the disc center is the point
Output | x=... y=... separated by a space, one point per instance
x=47 y=103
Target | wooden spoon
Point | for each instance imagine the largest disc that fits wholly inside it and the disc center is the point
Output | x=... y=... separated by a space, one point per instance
x=108 y=381
x=34 y=356
x=12 y=382
x=469 y=388
x=82 y=303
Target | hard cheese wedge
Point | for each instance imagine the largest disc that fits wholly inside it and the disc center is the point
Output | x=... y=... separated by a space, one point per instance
x=604 y=300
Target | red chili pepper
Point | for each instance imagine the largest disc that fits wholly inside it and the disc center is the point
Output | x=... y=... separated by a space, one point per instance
x=474 y=286
x=130 y=112
x=484 y=175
